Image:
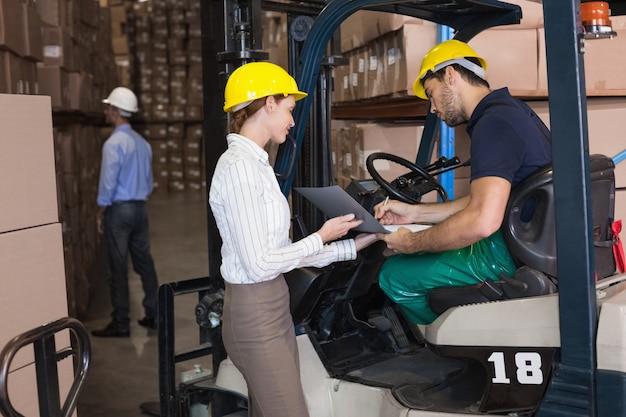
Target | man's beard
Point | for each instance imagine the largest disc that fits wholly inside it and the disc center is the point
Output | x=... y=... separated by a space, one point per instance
x=451 y=108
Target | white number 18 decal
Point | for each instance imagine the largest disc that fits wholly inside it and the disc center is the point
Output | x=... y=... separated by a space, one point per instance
x=528 y=366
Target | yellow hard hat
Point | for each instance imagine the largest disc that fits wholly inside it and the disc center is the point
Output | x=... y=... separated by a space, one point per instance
x=447 y=53
x=257 y=80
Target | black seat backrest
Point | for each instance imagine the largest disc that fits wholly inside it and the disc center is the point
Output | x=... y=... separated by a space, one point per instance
x=529 y=231
x=529 y=224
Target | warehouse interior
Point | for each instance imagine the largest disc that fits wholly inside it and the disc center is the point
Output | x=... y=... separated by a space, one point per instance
x=62 y=57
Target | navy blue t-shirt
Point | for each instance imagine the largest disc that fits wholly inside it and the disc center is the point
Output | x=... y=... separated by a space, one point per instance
x=508 y=140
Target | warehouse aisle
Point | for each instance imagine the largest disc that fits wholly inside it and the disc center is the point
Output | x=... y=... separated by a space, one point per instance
x=124 y=372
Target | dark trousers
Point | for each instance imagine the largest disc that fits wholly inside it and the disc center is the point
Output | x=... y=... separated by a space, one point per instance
x=260 y=339
x=126 y=230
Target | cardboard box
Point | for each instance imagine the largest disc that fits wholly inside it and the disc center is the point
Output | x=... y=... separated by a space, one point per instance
x=54 y=82
x=368 y=138
x=358 y=29
x=404 y=50
x=605 y=64
x=358 y=73
x=11 y=80
x=604 y=120
x=30 y=77
x=28 y=185
x=364 y=26
x=89 y=12
x=53 y=12
x=58 y=48
x=376 y=68
x=11 y=26
x=80 y=91
x=65 y=152
x=600 y=78
x=193 y=113
x=31 y=32
x=511 y=56
x=33 y=294
x=345 y=149
x=118 y=21
x=341 y=84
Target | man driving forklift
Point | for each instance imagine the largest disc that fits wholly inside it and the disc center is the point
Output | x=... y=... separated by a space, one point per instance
x=464 y=246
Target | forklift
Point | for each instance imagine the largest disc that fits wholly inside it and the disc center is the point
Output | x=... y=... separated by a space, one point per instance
x=554 y=343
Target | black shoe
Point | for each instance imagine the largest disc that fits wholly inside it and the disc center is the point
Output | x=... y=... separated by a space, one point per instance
x=149 y=322
x=112 y=330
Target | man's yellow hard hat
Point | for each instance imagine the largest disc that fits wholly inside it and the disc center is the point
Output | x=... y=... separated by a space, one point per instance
x=446 y=53
x=257 y=80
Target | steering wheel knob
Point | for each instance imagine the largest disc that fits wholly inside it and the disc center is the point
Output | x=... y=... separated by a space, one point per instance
x=401 y=182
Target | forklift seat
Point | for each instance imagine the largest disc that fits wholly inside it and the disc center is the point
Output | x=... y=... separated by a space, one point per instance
x=530 y=235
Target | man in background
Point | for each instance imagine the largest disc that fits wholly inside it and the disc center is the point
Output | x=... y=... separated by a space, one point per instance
x=125 y=184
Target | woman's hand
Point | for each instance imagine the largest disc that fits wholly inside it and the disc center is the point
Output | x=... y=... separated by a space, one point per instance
x=337 y=227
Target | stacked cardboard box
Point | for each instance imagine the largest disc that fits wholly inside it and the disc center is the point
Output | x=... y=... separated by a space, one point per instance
x=20 y=46
x=77 y=66
x=384 y=52
x=31 y=247
x=62 y=49
x=161 y=43
x=77 y=155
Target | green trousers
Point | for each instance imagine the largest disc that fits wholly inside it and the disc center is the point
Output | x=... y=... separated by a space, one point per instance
x=407 y=278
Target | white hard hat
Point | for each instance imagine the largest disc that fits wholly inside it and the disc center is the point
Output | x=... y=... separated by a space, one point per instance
x=123 y=99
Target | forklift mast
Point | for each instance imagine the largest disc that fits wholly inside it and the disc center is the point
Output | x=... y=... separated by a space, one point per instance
x=231 y=37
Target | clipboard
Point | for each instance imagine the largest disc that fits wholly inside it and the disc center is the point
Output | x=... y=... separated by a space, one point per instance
x=335 y=201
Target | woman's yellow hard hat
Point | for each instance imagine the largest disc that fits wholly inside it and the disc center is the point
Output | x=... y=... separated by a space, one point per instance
x=257 y=80
x=447 y=53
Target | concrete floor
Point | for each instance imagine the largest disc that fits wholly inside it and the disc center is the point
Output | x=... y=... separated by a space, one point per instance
x=124 y=371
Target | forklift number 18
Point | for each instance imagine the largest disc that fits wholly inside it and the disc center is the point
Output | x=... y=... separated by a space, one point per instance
x=527 y=364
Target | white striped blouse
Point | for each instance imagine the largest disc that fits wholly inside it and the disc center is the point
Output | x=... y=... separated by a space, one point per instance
x=253 y=219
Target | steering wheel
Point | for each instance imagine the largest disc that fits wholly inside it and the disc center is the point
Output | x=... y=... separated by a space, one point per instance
x=408 y=188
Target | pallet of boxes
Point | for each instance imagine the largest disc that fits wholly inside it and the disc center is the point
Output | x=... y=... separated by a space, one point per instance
x=160 y=41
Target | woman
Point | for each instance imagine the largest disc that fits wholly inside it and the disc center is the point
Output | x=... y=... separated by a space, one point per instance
x=253 y=218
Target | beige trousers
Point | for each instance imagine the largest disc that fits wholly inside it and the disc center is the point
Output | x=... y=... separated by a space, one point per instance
x=259 y=337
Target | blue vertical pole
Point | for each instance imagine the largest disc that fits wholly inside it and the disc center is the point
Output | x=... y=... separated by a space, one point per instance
x=446 y=133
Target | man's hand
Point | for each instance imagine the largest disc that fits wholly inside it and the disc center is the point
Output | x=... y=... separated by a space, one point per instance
x=100 y=225
x=100 y=219
x=394 y=212
x=338 y=227
x=399 y=241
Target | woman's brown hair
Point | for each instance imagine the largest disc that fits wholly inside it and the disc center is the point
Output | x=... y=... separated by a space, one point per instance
x=239 y=117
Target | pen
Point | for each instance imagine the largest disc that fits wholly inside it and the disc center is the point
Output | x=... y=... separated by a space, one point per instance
x=386 y=201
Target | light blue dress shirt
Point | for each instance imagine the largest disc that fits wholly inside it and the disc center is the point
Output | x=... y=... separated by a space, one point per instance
x=126 y=171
